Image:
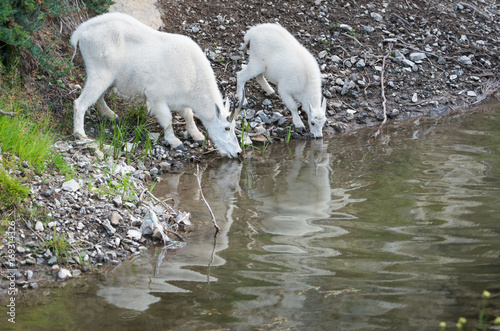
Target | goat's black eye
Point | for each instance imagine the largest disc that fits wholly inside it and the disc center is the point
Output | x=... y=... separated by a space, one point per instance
x=227 y=128
x=313 y=124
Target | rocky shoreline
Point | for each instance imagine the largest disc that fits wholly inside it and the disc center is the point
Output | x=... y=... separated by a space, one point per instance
x=106 y=214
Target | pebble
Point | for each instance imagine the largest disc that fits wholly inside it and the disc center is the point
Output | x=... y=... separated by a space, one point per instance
x=71 y=186
x=414 y=98
x=39 y=226
x=376 y=16
x=115 y=218
x=417 y=56
x=64 y=274
x=464 y=60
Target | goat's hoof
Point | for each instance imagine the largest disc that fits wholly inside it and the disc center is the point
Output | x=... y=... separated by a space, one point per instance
x=300 y=129
x=272 y=95
x=200 y=142
x=80 y=136
x=180 y=148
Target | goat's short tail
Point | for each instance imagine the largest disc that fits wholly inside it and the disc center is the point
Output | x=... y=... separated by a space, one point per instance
x=245 y=44
x=74 y=42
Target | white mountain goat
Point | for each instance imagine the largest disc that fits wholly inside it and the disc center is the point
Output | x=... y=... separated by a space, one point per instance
x=276 y=55
x=169 y=71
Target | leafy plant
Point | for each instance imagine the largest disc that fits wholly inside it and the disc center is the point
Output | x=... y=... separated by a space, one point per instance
x=20 y=19
x=59 y=245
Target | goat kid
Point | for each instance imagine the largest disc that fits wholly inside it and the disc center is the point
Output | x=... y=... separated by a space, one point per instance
x=276 y=55
x=168 y=71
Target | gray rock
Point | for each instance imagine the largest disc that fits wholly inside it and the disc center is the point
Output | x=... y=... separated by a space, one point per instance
x=71 y=186
x=111 y=230
x=115 y=218
x=134 y=234
x=464 y=60
x=376 y=16
x=52 y=260
x=360 y=63
x=275 y=117
x=408 y=63
x=117 y=201
x=369 y=29
x=64 y=274
x=322 y=54
x=29 y=274
x=414 y=97
x=417 y=56
x=165 y=166
x=335 y=59
x=345 y=27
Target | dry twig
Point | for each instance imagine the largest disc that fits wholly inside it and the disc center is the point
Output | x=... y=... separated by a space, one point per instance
x=198 y=177
x=7 y=113
x=384 y=100
x=479 y=11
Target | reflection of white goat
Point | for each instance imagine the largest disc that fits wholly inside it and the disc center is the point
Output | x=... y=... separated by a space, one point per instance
x=169 y=71
x=276 y=55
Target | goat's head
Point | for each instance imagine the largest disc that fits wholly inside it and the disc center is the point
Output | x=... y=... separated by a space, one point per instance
x=221 y=131
x=317 y=119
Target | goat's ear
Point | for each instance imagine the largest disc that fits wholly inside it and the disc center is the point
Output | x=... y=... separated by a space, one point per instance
x=217 y=110
x=227 y=105
x=323 y=105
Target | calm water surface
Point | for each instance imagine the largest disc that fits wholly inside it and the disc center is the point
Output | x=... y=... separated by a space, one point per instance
x=333 y=234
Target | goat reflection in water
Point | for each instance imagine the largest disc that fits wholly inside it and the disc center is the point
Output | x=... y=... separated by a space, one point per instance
x=280 y=196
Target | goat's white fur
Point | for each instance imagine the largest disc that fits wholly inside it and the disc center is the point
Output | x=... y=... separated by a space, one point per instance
x=276 y=55
x=169 y=71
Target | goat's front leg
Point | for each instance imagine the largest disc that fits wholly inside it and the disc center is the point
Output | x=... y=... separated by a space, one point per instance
x=164 y=116
x=292 y=106
x=191 y=127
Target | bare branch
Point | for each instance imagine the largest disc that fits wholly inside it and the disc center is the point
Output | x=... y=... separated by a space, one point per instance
x=198 y=177
x=11 y=114
x=384 y=100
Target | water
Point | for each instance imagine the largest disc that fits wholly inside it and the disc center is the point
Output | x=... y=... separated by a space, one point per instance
x=337 y=234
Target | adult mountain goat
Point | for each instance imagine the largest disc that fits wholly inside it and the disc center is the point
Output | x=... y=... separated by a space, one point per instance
x=169 y=71
x=276 y=55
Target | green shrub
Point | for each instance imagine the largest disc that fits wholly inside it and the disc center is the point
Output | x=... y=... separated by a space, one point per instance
x=20 y=19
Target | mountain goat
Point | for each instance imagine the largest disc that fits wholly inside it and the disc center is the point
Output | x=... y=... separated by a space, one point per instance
x=168 y=71
x=276 y=55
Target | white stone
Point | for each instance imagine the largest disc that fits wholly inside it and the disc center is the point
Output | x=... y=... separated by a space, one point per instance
x=134 y=234
x=39 y=226
x=64 y=274
x=414 y=98
x=71 y=186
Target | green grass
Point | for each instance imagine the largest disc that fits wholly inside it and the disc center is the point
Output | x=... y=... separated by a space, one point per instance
x=30 y=140
x=59 y=246
x=131 y=129
x=12 y=191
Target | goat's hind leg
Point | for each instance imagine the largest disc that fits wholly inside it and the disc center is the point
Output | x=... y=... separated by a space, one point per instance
x=105 y=110
x=248 y=72
x=94 y=89
x=265 y=85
